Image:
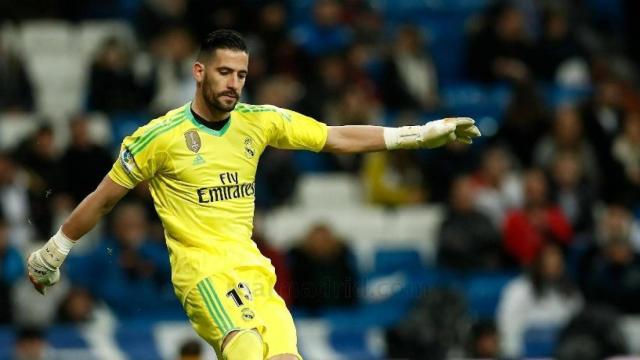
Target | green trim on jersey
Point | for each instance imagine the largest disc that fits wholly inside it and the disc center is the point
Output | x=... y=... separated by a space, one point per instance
x=248 y=108
x=189 y=115
x=157 y=130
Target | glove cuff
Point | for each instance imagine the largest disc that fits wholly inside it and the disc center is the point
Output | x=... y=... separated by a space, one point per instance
x=405 y=137
x=63 y=243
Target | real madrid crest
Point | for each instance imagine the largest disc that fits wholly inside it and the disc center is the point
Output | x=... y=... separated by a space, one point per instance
x=247 y=314
x=193 y=140
x=249 y=150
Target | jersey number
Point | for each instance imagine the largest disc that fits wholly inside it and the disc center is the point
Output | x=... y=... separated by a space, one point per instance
x=241 y=288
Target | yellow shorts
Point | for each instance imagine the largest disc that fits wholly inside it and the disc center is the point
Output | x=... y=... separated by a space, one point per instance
x=242 y=298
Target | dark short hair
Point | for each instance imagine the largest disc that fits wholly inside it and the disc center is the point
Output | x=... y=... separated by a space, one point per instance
x=221 y=39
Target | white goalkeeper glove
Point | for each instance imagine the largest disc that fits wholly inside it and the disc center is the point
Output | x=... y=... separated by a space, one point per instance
x=44 y=264
x=432 y=134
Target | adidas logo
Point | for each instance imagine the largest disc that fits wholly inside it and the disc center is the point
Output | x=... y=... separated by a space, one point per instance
x=198 y=160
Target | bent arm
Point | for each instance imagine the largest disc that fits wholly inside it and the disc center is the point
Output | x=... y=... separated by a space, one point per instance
x=97 y=204
x=354 y=139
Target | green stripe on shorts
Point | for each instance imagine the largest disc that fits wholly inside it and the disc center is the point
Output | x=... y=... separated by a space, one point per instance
x=213 y=311
x=207 y=282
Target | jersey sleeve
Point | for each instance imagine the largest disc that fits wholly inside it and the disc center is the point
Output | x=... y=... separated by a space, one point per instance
x=139 y=158
x=295 y=131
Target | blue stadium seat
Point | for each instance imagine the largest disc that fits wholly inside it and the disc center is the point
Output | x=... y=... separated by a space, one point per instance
x=390 y=260
x=540 y=341
x=483 y=292
x=351 y=344
x=137 y=341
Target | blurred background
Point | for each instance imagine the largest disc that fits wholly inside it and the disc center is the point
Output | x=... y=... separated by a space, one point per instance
x=525 y=244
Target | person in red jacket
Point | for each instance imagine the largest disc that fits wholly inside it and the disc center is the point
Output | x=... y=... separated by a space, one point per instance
x=527 y=229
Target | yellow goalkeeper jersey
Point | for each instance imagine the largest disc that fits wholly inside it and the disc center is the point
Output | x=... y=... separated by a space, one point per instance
x=203 y=182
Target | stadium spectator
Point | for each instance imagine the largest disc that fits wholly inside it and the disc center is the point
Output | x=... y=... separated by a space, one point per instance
x=484 y=342
x=16 y=92
x=498 y=187
x=467 y=239
x=526 y=230
x=272 y=26
x=39 y=157
x=560 y=56
x=626 y=150
x=113 y=85
x=156 y=16
x=611 y=277
x=14 y=201
x=501 y=48
x=326 y=33
x=570 y=189
x=603 y=115
x=409 y=78
x=129 y=271
x=593 y=334
x=526 y=120
x=323 y=271
x=80 y=308
x=443 y=165
x=190 y=350
x=31 y=345
x=324 y=87
x=567 y=135
x=172 y=59
x=11 y=268
x=393 y=179
x=542 y=298
x=84 y=162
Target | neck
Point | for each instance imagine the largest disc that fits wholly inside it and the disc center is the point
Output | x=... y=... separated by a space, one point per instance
x=209 y=113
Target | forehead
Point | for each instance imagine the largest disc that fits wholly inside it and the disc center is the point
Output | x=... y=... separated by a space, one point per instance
x=234 y=59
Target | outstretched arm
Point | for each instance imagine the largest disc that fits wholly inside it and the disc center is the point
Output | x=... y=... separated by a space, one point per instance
x=364 y=138
x=44 y=264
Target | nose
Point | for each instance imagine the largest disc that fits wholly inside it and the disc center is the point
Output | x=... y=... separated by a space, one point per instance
x=233 y=82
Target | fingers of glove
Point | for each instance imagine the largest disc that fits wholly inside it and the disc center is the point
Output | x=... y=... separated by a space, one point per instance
x=461 y=121
x=464 y=140
x=39 y=287
x=41 y=283
x=470 y=131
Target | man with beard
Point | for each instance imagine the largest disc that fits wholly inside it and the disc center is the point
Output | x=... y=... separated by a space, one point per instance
x=200 y=160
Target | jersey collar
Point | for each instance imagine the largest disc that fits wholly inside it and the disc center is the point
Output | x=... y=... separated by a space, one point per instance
x=187 y=112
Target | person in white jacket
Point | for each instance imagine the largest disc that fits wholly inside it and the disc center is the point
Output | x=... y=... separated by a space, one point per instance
x=543 y=297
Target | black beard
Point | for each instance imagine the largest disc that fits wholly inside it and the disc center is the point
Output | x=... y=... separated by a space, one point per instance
x=212 y=99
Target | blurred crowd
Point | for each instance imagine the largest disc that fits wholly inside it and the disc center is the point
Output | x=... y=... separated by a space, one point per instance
x=551 y=193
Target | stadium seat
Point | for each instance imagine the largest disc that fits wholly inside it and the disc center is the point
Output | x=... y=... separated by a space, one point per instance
x=93 y=33
x=540 y=342
x=483 y=292
x=417 y=227
x=329 y=191
x=391 y=260
x=40 y=37
x=14 y=128
x=60 y=82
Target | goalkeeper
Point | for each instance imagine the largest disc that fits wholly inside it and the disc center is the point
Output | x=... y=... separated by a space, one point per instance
x=200 y=160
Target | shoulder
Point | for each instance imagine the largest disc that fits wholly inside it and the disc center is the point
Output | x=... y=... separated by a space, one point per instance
x=262 y=110
x=520 y=287
x=159 y=128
